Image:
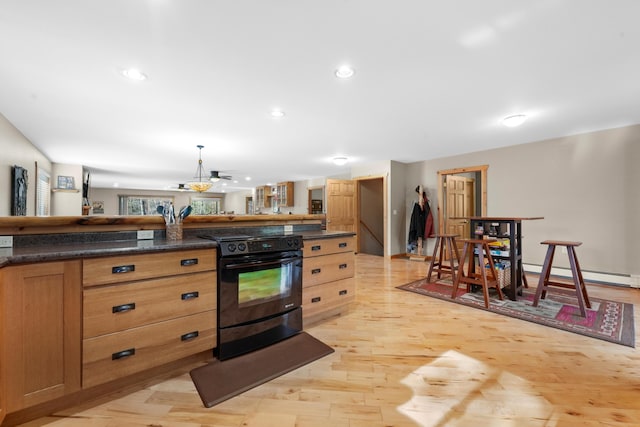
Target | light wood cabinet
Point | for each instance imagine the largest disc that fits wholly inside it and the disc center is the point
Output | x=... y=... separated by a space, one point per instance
x=284 y=194
x=41 y=332
x=328 y=276
x=263 y=197
x=146 y=310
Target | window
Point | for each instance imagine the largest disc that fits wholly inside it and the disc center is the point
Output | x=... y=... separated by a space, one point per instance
x=206 y=205
x=141 y=205
x=43 y=192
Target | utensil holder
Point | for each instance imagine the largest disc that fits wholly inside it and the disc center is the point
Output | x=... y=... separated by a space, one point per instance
x=174 y=231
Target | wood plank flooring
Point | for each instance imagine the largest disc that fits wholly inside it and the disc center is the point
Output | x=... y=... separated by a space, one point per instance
x=408 y=360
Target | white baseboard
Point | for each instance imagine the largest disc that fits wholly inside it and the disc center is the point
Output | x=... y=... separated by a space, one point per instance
x=632 y=280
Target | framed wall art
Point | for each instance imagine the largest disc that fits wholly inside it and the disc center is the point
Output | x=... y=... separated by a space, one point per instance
x=66 y=182
x=19 y=182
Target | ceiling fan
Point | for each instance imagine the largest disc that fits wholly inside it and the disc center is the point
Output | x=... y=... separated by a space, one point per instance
x=215 y=176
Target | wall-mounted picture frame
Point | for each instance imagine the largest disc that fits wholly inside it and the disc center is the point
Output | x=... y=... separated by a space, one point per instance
x=98 y=207
x=66 y=182
x=19 y=182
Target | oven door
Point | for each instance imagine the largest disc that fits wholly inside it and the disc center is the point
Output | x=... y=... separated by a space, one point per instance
x=257 y=286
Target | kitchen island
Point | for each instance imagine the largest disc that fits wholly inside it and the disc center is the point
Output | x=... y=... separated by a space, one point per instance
x=75 y=328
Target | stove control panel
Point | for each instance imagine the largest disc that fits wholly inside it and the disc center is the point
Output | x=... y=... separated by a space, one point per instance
x=253 y=245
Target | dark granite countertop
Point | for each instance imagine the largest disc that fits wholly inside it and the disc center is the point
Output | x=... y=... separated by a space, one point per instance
x=41 y=253
x=91 y=249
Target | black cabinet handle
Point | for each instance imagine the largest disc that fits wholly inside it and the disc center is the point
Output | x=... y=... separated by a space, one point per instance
x=342 y=292
x=316 y=248
x=316 y=299
x=188 y=262
x=123 y=269
x=124 y=353
x=123 y=307
x=342 y=266
x=189 y=295
x=342 y=245
x=189 y=336
x=315 y=271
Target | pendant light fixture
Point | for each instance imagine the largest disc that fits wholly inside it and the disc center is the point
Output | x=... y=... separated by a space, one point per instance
x=200 y=182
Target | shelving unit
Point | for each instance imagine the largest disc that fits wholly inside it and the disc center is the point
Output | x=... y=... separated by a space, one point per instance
x=504 y=228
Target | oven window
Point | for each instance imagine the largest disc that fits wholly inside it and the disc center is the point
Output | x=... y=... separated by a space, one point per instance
x=256 y=287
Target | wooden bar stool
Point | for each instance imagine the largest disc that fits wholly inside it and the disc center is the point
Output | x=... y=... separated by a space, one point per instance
x=444 y=243
x=578 y=282
x=473 y=278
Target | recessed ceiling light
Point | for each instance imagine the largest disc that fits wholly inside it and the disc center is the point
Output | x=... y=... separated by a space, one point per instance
x=345 y=72
x=248 y=178
x=513 y=121
x=134 y=74
x=277 y=114
x=340 y=161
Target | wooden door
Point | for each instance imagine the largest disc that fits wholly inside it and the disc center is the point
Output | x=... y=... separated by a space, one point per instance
x=341 y=205
x=460 y=203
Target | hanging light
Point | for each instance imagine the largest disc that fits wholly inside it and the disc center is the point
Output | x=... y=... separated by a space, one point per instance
x=200 y=182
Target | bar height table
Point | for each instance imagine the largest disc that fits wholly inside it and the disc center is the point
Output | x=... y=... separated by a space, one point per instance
x=504 y=228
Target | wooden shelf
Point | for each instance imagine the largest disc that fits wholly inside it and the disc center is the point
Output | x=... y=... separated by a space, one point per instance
x=65 y=190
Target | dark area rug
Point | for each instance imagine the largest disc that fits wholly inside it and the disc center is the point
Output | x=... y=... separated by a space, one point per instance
x=606 y=320
x=221 y=380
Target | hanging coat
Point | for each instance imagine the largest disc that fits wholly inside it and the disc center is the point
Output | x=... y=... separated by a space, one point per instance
x=417 y=223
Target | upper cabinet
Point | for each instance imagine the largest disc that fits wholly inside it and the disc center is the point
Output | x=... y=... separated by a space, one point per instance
x=284 y=194
x=280 y=196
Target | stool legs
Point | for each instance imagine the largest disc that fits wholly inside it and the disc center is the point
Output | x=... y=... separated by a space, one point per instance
x=437 y=258
x=472 y=278
x=578 y=282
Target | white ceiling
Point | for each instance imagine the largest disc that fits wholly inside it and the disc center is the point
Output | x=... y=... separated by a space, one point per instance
x=433 y=79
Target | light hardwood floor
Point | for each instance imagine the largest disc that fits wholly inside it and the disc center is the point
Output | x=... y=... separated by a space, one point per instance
x=403 y=359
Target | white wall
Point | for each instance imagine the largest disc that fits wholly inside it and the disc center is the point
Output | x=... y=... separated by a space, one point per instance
x=585 y=186
x=18 y=151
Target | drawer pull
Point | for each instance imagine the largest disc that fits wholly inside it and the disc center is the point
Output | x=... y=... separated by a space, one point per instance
x=343 y=292
x=123 y=307
x=189 y=295
x=316 y=271
x=342 y=245
x=342 y=266
x=316 y=299
x=123 y=269
x=188 y=262
x=124 y=353
x=316 y=248
x=189 y=336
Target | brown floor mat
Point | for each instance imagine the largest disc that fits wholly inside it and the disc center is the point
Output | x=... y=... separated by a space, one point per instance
x=219 y=381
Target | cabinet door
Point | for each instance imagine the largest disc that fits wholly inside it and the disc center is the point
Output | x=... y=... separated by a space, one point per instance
x=41 y=332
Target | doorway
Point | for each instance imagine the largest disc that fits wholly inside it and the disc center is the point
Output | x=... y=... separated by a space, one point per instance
x=462 y=192
x=371 y=225
x=316 y=200
x=358 y=205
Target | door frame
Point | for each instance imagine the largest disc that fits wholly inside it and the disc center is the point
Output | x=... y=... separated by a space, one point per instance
x=483 y=190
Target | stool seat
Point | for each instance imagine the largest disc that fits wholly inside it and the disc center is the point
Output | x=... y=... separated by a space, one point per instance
x=578 y=282
x=484 y=279
x=445 y=243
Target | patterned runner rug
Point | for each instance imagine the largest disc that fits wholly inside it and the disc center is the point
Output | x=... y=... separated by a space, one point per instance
x=607 y=320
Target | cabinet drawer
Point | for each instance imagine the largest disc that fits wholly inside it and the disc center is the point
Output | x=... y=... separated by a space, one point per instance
x=115 y=308
x=316 y=270
x=318 y=247
x=319 y=298
x=100 y=271
x=112 y=356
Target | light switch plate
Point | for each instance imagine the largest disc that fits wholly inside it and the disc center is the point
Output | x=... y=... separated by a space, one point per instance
x=6 y=241
x=288 y=228
x=145 y=234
